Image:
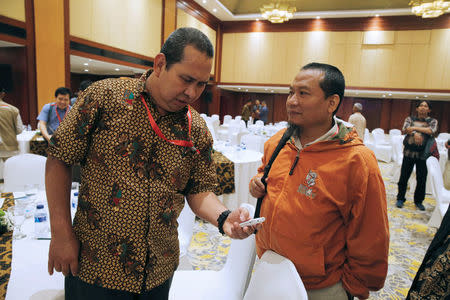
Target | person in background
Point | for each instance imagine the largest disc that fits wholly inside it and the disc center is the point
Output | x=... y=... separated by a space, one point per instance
x=83 y=85
x=447 y=167
x=418 y=130
x=144 y=150
x=358 y=120
x=52 y=114
x=246 y=111
x=263 y=112
x=325 y=200
x=10 y=126
x=255 y=110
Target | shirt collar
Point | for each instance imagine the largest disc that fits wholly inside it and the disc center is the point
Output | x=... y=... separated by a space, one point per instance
x=328 y=136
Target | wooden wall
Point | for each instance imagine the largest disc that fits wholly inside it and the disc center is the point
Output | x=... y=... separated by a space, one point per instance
x=16 y=57
x=379 y=113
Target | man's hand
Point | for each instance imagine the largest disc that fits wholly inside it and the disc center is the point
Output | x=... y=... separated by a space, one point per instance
x=63 y=255
x=418 y=139
x=409 y=130
x=257 y=188
x=231 y=225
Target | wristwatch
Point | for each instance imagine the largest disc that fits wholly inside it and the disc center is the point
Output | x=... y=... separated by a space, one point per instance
x=221 y=219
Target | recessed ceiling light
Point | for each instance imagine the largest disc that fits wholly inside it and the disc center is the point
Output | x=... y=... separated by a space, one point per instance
x=86 y=64
x=384 y=95
x=90 y=59
x=246 y=90
x=272 y=91
x=117 y=69
x=417 y=97
x=390 y=94
x=265 y=89
x=425 y=96
x=377 y=15
x=204 y=1
x=239 y=88
x=86 y=70
x=318 y=17
x=257 y=19
x=215 y=9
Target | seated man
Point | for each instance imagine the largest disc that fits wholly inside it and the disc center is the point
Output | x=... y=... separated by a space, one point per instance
x=325 y=205
x=52 y=114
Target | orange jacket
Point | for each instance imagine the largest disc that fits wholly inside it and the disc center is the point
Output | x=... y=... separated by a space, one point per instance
x=330 y=216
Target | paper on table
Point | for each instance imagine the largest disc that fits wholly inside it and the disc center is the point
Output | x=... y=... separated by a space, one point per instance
x=18 y=195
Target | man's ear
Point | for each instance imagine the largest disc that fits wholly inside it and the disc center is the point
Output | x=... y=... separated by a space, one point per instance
x=333 y=102
x=159 y=64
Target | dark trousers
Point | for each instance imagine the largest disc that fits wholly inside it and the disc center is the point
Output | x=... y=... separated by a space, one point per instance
x=421 y=177
x=76 y=289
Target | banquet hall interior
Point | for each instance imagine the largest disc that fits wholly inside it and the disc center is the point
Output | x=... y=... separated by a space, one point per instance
x=392 y=53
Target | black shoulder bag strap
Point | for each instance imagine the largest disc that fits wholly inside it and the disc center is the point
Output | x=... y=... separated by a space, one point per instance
x=286 y=136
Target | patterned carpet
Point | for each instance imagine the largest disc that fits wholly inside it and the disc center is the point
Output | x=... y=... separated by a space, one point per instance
x=410 y=238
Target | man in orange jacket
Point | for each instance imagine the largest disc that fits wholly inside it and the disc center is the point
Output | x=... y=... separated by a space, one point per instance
x=325 y=201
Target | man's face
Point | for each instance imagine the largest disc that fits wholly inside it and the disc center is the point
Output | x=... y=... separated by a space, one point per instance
x=306 y=104
x=62 y=101
x=184 y=82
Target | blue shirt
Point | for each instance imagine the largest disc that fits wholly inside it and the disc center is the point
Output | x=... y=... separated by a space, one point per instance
x=263 y=112
x=48 y=114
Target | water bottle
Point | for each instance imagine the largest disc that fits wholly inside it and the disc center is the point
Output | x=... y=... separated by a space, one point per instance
x=74 y=204
x=40 y=222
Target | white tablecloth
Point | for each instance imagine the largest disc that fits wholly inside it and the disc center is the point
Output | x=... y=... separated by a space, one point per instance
x=24 y=141
x=29 y=278
x=246 y=163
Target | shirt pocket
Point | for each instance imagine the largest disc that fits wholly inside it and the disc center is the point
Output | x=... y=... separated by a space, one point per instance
x=309 y=261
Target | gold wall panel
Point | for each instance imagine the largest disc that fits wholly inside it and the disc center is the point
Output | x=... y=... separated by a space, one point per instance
x=416 y=59
x=186 y=20
x=14 y=9
x=134 y=26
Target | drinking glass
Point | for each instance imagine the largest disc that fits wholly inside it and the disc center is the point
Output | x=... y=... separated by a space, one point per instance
x=17 y=216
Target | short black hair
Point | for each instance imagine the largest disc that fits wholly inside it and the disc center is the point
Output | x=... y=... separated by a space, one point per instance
x=426 y=101
x=173 y=47
x=63 y=91
x=85 y=84
x=333 y=81
x=2 y=90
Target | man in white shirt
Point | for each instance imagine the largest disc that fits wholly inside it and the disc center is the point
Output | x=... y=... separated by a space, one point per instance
x=358 y=120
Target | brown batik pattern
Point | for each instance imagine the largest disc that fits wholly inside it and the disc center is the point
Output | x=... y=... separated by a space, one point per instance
x=133 y=183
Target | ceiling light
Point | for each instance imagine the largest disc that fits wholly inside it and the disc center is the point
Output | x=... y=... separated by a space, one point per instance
x=384 y=95
x=90 y=59
x=239 y=88
x=377 y=15
x=390 y=94
x=417 y=97
x=204 y=1
x=86 y=64
x=265 y=89
x=246 y=90
x=272 y=91
x=318 y=17
x=117 y=69
x=429 y=8
x=425 y=96
x=215 y=10
x=277 y=11
x=86 y=70
x=257 y=19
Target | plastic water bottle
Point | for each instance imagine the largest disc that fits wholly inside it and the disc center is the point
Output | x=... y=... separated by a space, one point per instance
x=40 y=222
x=74 y=204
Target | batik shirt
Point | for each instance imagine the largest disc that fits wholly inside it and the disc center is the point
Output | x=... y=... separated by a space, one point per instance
x=133 y=182
x=412 y=150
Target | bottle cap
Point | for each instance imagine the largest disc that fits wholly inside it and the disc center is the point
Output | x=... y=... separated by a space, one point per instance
x=75 y=194
x=40 y=206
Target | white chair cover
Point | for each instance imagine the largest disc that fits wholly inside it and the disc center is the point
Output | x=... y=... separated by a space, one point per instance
x=441 y=194
x=24 y=169
x=227 y=119
x=275 y=277
x=382 y=149
x=229 y=283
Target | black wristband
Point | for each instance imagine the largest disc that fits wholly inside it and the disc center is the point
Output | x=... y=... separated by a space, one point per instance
x=221 y=219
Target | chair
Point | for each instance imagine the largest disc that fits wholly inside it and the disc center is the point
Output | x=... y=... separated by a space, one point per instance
x=275 y=277
x=259 y=123
x=227 y=119
x=440 y=193
x=229 y=283
x=253 y=142
x=186 y=221
x=24 y=169
x=382 y=149
x=393 y=132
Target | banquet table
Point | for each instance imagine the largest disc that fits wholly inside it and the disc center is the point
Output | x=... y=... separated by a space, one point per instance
x=25 y=265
